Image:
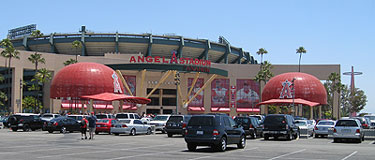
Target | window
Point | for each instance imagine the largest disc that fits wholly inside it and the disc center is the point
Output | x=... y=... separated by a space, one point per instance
x=137 y=122
x=325 y=123
x=131 y=116
x=154 y=101
x=169 y=101
x=232 y=122
x=169 y=92
x=157 y=91
x=103 y=121
x=201 y=121
x=113 y=121
x=137 y=117
x=122 y=116
x=226 y=122
x=348 y=123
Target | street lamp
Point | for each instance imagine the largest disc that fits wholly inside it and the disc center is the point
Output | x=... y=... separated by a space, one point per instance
x=177 y=82
x=20 y=100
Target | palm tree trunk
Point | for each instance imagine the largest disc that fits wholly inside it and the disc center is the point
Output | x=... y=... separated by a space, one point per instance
x=299 y=63
x=9 y=83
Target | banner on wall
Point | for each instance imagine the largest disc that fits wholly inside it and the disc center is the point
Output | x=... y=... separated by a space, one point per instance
x=197 y=104
x=247 y=95
x=220 y=95
x=131 y=81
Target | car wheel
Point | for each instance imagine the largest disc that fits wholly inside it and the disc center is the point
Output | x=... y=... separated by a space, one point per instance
x=63 y=130
x=132 y=132
x=359 y=140
x=96 y=132
x=14 y=129
x=275 y=137
x=254 y=136
x=50 y=131
x=296 y=136
x=116 y=134
x=266 y=137
x=363 y=138
x=26 y=128
x=33 y=129
x=170 y=134
x=149 y=131
x=191 y=147
x=109 y=133
x=222 y=145
x=242 y=143
x=289 y=136
x=316 y=135
x=163 y=131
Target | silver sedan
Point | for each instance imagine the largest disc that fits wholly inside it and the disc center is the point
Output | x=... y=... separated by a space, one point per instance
x=348 y=129
x=131 y=127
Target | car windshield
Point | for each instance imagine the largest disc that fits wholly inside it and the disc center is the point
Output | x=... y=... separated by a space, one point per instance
x=47 y=116
x=175 y=119
x=257 y=117
x=274 y=120
x=241 y=120
x=121 y=116
x=103 y=121
x=201 y=121
x=301 y=123
x=348 y=123
x=371 y=117
x=101 y=116
x=160 y=118
x=325 y=123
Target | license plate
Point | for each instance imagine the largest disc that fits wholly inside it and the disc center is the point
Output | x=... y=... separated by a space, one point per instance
x=199 y=132
x=324 y=129
x=346 y=130
x=174 y=125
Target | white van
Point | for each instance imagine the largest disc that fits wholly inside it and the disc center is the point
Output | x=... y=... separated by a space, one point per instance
x=122 y=116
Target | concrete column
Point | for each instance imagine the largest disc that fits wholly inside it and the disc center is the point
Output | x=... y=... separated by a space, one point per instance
x=16 y=93
x=320 y=112
x=277 y=109
x=335 y=105
x=311 y=113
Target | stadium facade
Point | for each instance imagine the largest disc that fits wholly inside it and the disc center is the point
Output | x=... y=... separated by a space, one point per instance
x=225 y=72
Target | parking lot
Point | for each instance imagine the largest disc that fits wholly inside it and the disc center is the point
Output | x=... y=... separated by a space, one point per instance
x=42 y=145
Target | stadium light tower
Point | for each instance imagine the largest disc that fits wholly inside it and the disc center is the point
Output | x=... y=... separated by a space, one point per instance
x=352 y=87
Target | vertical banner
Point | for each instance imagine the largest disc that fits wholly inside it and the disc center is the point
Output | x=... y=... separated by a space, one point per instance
x=198 y=101
x=131 y=81
x=220 y=94
x=233 y=96
x=247 y=95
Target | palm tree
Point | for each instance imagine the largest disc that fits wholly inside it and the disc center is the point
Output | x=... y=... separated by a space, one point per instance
x=70 y=61
x=260 y=52
x=335 y=86
x=36 y=59
x=300 y=50
x=36 y=34
x=263 y=76
x=9 y=52
x=43 y=76
x=76 y=44
x=3 y=96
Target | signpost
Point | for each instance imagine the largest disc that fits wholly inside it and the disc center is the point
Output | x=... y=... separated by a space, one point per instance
x=21 y=31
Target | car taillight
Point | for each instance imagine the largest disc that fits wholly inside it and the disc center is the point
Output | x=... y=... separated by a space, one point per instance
x=184 y=126
x=251 y=126
x=358 y=131
x=215 y=132
x=316 y=128
x=124 y=126
x=55 y=124
x=334 y=130
x=283 y=121
x=21 y=120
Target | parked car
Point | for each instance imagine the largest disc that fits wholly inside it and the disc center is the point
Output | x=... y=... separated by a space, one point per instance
x=48 y=116
x=25 y=121
x=321 y=129
x=276 y=125
x=146 y=120
x=176 y=124
x=216 y=130
x=305 y=126
x=104 y=125
x=105 y=116
x=372 y=119
x=5 y=122
x=251 y=125
x=159 y=122
x=63 y=124
x=121 y=116
x=77 y=117
x=131 y=127
x=259 y=117
x=348 y=129
x=365 y=122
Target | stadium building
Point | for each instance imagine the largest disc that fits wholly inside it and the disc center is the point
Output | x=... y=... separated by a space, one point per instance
x=151 y=65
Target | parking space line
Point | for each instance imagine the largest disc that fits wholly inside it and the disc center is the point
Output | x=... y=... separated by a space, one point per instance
x=154 y=153
x=287 y=154
x=372 y=142
x=71 y=154
x=223 y=153
x=349 y=155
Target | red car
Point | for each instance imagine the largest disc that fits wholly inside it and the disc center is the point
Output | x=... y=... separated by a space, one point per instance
x=104 y=125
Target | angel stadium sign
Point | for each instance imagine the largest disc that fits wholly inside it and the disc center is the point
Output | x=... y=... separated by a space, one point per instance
x=190 y=64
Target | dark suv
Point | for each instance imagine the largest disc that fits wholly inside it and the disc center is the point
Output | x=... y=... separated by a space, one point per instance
x=26 y=122
x=176 y=124
x=250 y=125
x=276 y=125
x=215 y=130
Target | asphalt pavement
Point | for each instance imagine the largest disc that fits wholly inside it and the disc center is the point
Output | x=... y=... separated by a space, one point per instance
x=40 y=145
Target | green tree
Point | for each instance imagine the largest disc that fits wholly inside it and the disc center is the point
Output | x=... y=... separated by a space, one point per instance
x=358 y=100
x=333 y=85
x=9 y=52
x=43 y=76
x=261 y=52
x=299 y=51
x=36 y=59
x=345 y=101
x=3 y=96
x=263 y=76
x=36 y=34
x=76 y=44
x=31 y=103
x=69 y=62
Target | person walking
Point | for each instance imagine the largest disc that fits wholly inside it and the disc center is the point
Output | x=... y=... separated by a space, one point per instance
x=92 y=125
x=84 y=128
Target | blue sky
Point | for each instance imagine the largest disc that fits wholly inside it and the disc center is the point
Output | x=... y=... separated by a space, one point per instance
x=333 y=32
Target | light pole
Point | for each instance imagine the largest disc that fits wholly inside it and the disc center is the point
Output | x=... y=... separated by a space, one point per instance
x=21 y=85
x=293 y=96
x=177 y=82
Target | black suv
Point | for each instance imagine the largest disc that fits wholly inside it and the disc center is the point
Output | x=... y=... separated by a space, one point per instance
x=250 y=125
x=26 y=122
x=215 y=130
x=176 y=124
x=276 y=125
